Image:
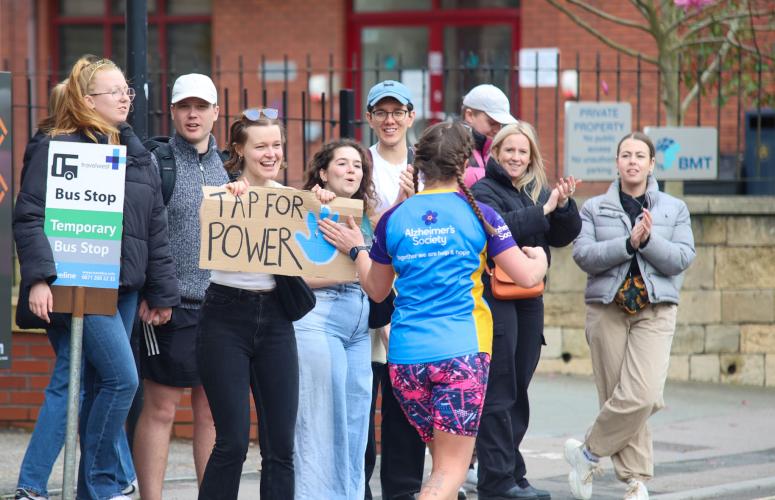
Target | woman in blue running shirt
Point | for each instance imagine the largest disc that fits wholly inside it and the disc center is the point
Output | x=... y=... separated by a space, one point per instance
x=435 y=244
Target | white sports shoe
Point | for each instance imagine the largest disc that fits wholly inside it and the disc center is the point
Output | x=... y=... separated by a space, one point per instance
x=636 y=490
x=582 y=470
x=472 y=477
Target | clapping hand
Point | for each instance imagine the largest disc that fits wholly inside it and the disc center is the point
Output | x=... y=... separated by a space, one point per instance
x=642 y=230
x=405 y=184
x=565 y=189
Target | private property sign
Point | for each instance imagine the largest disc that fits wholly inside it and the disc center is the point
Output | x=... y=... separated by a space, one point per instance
x=273 y=230
x=85 y=212
x=592 y=131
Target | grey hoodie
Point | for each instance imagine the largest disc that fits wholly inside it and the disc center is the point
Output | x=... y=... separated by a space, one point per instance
x=600 y=249
x=191 y=174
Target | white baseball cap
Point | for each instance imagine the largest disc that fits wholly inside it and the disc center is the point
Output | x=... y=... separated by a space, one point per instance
x=194 y=85
x=491 y=100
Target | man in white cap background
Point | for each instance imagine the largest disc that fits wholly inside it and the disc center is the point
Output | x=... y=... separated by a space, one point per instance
x=485 y=110
x=167 y=353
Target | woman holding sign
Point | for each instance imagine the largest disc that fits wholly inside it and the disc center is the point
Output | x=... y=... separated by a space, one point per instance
x=335 y=351
x=94 y=105
x=441 y=336
x=246 y=340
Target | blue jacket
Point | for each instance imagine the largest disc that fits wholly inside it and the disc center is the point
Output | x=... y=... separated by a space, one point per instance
x=601 y=250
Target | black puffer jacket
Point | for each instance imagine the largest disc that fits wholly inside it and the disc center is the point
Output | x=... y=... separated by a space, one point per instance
x=146 y=262
x=526 y=220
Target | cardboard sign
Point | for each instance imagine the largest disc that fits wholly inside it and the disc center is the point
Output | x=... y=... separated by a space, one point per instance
x=85 y=212
x=273 y=230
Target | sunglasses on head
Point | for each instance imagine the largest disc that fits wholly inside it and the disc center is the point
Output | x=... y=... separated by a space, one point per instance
x=254 y=114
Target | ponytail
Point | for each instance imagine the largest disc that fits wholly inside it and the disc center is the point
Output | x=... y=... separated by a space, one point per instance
x=474 y=206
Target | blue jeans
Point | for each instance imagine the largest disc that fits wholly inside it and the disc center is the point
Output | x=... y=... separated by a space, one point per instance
x=48 y=437
x=334 y=395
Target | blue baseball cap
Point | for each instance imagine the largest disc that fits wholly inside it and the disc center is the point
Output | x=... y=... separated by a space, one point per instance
x=389 y=88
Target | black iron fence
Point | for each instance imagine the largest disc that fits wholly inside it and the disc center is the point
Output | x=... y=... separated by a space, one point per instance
x=315 y=105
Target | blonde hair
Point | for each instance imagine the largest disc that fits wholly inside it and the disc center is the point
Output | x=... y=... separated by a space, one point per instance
x=75 y=115
x=54 y=107
x=534 y=177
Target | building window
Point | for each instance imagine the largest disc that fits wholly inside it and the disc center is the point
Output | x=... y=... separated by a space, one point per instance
x=179 y=41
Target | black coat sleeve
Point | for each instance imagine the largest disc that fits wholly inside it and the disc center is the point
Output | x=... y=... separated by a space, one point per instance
x=161 y=285
x=522 y=222
x=564 y=225
x=35 y=256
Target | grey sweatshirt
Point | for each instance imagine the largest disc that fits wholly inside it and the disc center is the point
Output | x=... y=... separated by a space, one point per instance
x=191 y=174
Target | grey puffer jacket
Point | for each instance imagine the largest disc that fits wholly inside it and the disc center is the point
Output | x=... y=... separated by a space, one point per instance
x=601 y=251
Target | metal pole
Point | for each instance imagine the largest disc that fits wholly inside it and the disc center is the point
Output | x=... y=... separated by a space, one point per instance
x=137 y=63
x=73 y=393
x=346 y=113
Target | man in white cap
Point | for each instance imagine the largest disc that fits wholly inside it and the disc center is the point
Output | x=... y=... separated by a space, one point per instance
x=485 y=110
x=168 y=352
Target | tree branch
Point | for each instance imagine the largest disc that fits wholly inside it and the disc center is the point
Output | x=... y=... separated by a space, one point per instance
x=608 y=17
x=711 y=20
x=600 y=36
x=682 y=19
x=711 y=70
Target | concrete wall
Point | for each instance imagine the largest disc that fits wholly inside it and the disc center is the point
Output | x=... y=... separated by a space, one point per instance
x=726 y=318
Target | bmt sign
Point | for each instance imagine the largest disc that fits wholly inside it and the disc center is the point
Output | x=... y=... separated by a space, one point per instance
x=685 y=153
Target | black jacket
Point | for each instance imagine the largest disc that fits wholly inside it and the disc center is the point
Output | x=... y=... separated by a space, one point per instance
x=526 y=220
x=146 y=262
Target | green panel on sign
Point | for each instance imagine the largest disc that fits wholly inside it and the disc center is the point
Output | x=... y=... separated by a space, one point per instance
x=83 y=224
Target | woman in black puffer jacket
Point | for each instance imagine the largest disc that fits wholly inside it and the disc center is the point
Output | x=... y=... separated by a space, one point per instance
x=94 y=107
x=515 y=185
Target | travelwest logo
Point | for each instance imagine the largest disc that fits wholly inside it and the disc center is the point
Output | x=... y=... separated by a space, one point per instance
x=115 y=160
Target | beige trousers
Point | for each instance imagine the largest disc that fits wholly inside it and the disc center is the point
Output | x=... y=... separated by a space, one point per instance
x=630 y=357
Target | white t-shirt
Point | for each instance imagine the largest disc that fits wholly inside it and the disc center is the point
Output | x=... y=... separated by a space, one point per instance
x=245 y=280
x=386 y=176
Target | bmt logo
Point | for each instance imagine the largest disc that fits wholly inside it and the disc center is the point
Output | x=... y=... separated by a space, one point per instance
x=669 y=148
x=115 y=160
x=60 y=167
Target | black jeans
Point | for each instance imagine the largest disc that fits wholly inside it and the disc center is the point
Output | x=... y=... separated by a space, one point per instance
x=246 y=341
x=518 y=335
x=403 y=452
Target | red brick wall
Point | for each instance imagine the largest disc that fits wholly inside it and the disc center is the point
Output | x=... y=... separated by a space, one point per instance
x=296 y=28
x=22 y=387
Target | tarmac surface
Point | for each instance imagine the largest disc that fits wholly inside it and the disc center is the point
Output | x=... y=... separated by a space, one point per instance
x=711 y=441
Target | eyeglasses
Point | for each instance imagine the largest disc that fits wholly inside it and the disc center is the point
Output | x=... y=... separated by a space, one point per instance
x=381 y=115
x=254 y=114
x=117 y=93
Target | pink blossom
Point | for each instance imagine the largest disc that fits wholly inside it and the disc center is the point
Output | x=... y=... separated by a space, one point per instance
x=693 y=4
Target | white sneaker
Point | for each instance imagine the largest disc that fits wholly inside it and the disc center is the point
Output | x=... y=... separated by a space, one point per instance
x=472 y=477
x=582 y=470
x=131 y=489
x=120 y=497
x=636 y=490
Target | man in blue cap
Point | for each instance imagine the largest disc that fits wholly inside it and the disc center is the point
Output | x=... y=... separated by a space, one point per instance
x=390 y=113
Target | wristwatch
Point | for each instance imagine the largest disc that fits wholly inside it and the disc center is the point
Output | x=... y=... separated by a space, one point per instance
x=354 y=251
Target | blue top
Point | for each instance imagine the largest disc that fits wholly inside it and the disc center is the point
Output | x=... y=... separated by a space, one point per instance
x=438 y=248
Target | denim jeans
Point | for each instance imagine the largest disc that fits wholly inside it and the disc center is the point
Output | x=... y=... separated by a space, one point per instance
x=48 y=437
x=246 y=342
x=109 y=383
x=334 y=395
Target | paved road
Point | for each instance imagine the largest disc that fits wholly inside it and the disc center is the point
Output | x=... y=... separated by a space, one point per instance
x=711 y=441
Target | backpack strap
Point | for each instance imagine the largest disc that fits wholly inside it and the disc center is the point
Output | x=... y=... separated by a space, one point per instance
x=161 y=149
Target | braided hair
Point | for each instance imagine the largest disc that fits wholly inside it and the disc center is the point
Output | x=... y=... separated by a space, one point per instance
x=441 y=154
